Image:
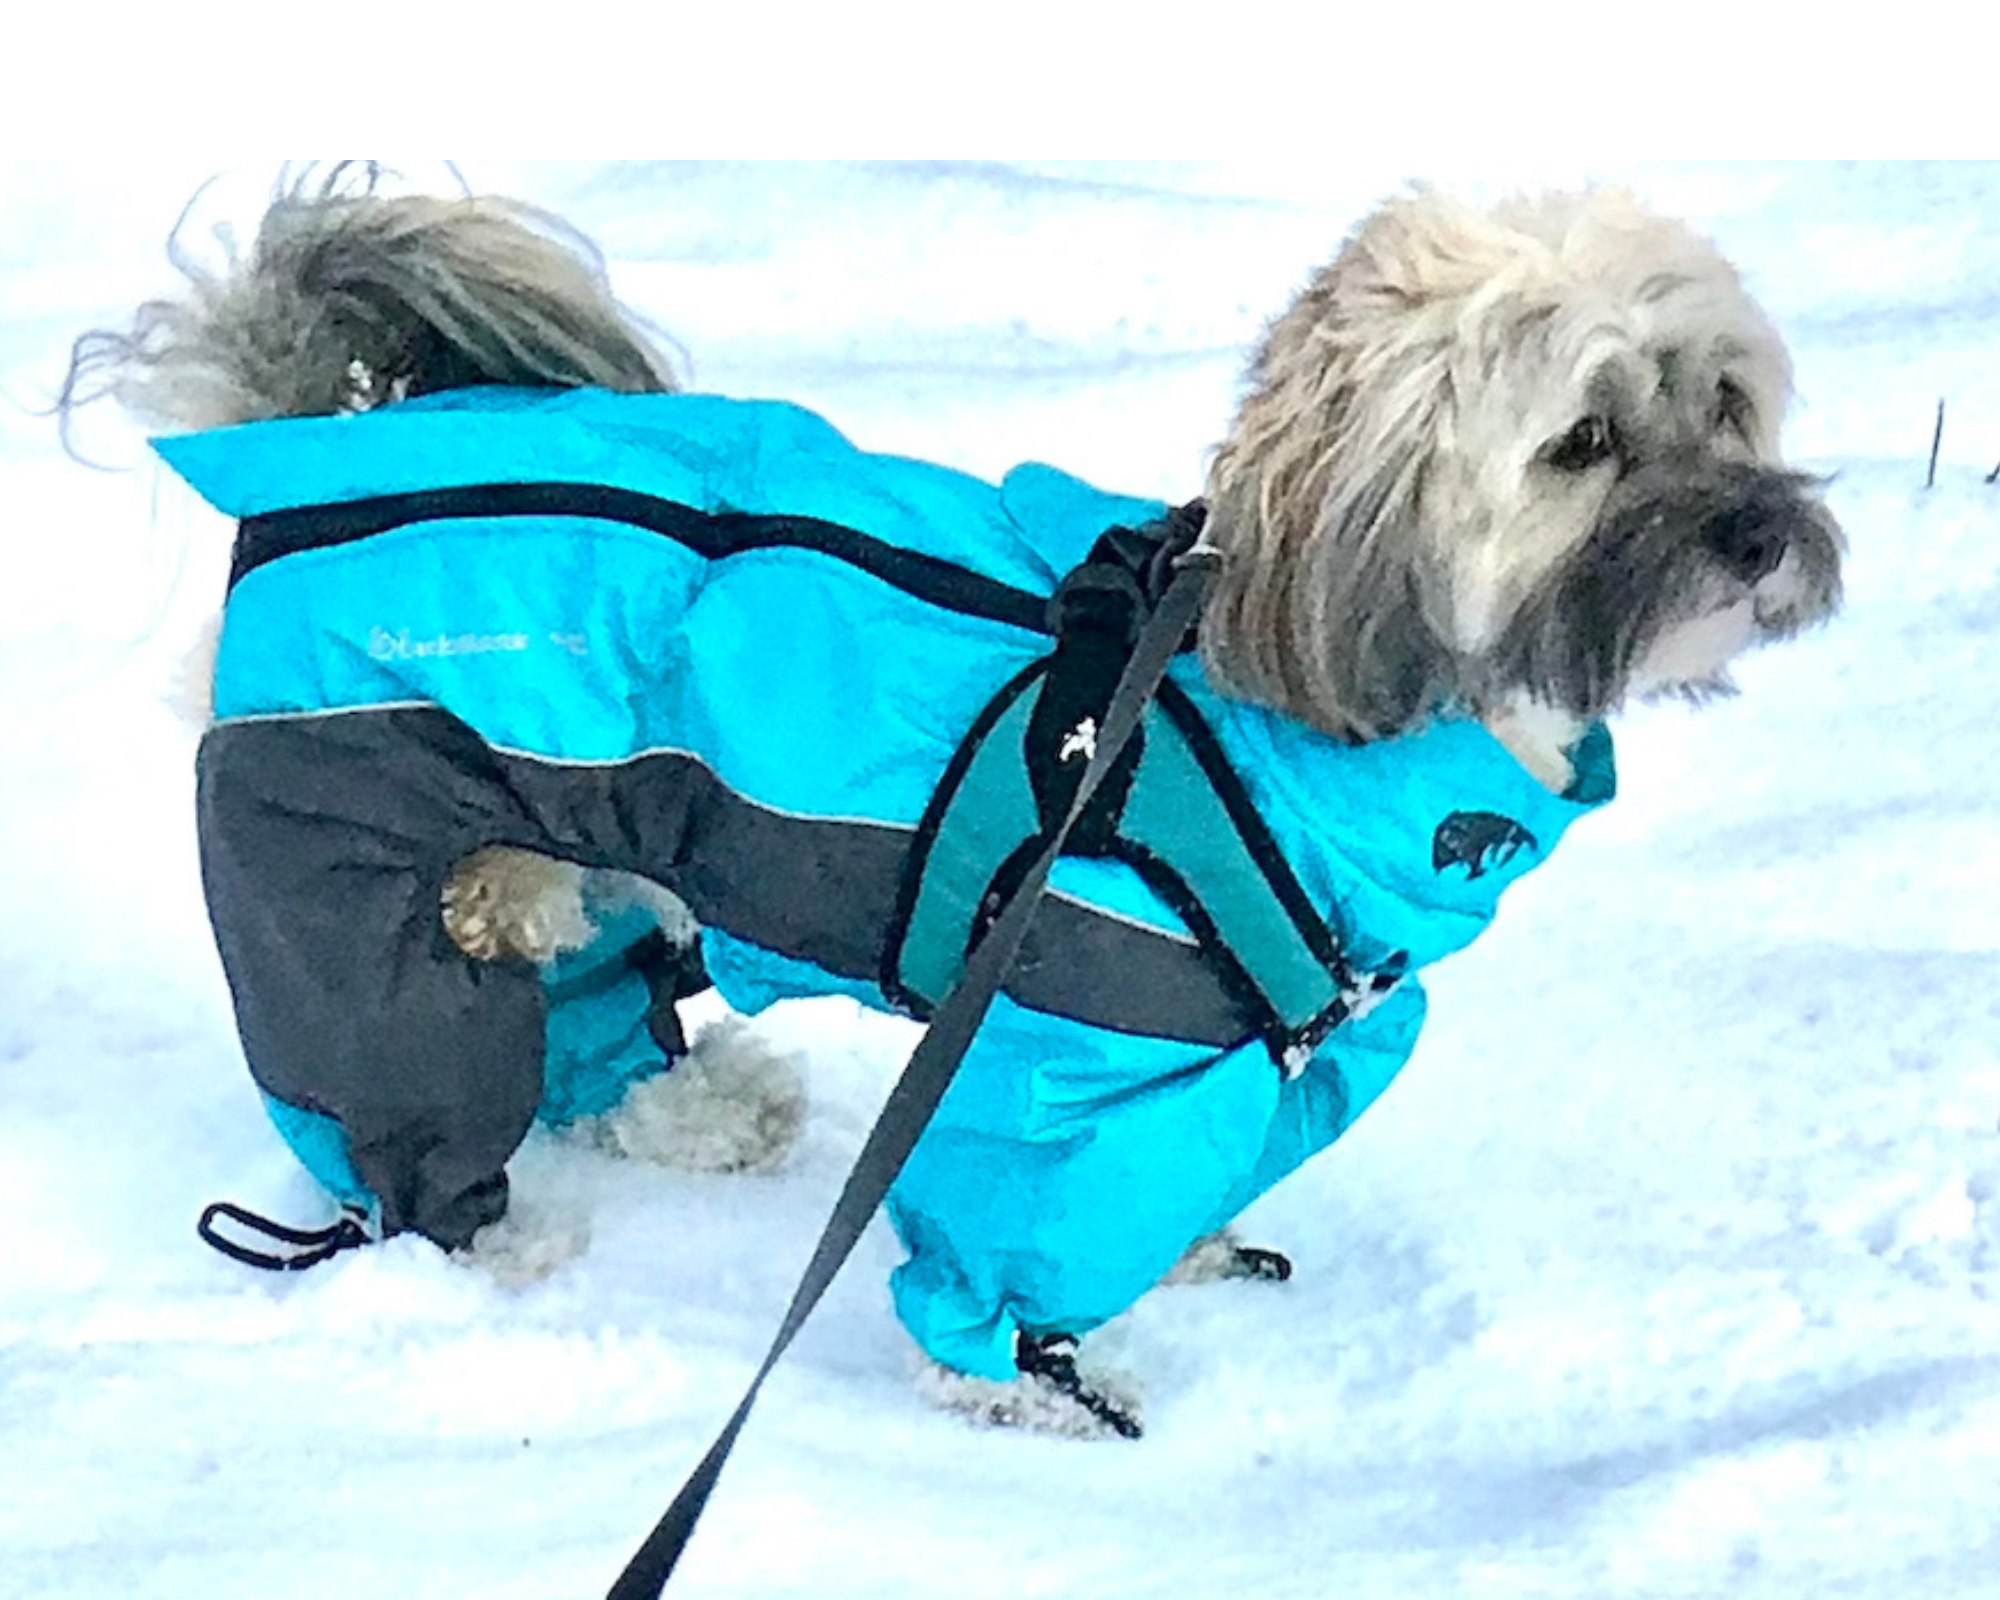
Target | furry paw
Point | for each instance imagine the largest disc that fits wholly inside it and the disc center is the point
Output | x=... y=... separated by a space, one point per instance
x=731 y=1104
x=504 y=903
x=1219 y=1256
x=520 y=1250
x=1050 y=1396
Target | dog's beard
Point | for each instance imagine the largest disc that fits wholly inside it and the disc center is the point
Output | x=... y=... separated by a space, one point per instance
x=1689 y=564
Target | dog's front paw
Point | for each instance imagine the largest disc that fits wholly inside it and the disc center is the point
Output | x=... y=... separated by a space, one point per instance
x=1220 y=1256
x=1050 y=1396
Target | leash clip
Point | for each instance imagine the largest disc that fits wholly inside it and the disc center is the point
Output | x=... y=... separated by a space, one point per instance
x=1204 y=552
x=1359 y=994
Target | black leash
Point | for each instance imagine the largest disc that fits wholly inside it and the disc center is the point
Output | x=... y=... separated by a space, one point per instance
x=915 y=1097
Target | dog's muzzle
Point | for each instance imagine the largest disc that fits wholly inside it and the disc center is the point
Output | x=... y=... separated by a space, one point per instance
x=1677 y=540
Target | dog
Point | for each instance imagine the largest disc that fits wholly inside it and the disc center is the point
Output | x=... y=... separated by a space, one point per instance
x=1497 y=473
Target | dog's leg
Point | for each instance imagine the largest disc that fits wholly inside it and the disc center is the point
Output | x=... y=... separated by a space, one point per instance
x=191 y=689
x=1051 y=1395
x=1221 y=1255
x=731 y=1104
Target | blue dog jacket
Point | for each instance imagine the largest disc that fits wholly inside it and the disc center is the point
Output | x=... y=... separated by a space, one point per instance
x=711 y=642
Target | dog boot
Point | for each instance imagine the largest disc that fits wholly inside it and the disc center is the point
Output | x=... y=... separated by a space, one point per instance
x=1050 y=1396
x=1048 y=1363
x=1218 y=1256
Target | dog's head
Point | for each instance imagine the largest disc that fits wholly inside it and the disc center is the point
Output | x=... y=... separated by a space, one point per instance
x=1522 y=455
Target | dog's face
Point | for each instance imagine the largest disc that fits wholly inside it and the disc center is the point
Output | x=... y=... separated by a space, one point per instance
x=1527 y=455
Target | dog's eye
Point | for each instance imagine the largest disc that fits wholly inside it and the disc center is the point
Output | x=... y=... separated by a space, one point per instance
x=1591 y=441
x=1733 y=409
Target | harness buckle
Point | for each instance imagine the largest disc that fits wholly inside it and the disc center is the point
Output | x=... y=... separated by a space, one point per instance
x=1359 y=994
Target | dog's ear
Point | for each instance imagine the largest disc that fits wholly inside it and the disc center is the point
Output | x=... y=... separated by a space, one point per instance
x=1327 y=607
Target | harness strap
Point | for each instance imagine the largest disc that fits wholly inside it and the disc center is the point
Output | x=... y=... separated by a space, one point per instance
x=932 y=1064
x=1191 y=830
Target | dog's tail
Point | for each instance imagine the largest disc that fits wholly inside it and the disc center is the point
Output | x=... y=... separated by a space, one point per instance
x=350 y=298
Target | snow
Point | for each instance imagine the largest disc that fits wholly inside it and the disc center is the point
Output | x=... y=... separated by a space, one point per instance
x=1668 y=1268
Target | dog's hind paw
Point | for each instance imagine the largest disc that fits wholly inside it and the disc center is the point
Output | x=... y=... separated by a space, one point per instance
x=522 y=1249
x=1219 y=1256
x=1050 y=1396
x=731 y=1104
x=506 y=904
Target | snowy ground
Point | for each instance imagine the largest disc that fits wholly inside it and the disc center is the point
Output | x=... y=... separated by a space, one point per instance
x=1669 y=1268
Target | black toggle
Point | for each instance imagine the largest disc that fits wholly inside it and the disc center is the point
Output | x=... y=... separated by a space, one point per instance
x=310 y=1246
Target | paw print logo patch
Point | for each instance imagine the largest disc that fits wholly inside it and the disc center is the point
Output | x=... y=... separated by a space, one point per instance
x=1479 y=841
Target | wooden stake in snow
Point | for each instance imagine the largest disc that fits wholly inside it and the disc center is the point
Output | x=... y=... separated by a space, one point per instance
x=1937 y=438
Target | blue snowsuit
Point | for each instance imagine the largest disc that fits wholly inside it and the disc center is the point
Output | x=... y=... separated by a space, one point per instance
x=664 y=656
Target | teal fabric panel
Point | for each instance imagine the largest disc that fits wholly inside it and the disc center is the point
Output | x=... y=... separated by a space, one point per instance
x=816 y=690
x=989 y=815
x=599 y=1042
x=321 y=1145
x=1347 y=1076
x=1175 y=813
x=1068 y=1168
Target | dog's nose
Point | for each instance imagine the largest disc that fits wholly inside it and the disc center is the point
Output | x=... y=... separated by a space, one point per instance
x=1749 y=542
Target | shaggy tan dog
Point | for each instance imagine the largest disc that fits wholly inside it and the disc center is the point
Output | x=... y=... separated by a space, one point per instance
x=1520 y=462
x=1523 y=460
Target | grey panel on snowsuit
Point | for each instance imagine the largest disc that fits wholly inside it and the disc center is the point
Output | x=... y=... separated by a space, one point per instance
x=326 y=841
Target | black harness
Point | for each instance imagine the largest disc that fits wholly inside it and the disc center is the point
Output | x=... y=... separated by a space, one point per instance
x=1170 y=807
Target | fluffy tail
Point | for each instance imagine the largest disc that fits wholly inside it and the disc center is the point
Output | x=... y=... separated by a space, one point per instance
x=350 y=299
